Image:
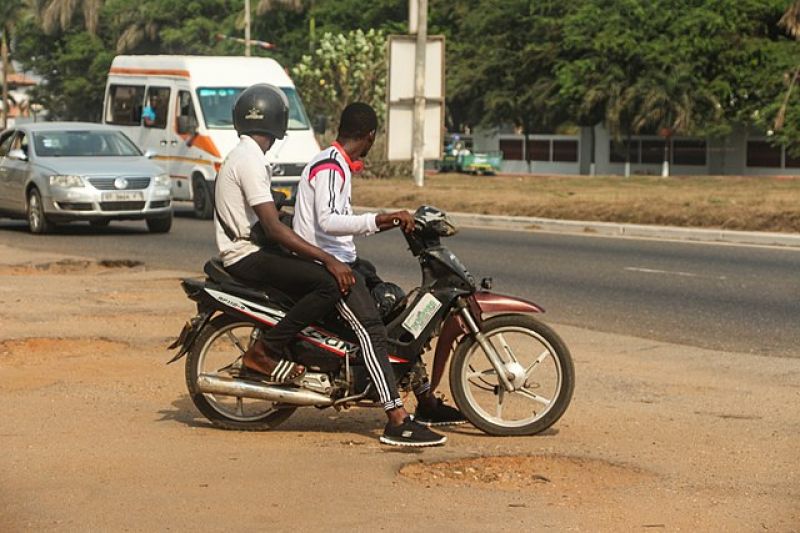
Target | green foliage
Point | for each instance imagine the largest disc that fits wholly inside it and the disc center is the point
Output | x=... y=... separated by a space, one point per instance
x=344 y=68
x=696 y=67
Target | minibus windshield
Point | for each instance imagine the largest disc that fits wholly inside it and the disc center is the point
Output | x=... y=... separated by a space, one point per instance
x=217 y=104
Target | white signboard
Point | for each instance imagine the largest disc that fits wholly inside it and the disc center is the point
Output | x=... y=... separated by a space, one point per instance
x=400 y=97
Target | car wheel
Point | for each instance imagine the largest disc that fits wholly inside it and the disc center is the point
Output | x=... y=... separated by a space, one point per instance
x=37 y=221
x=203 y=201
x=160 y=224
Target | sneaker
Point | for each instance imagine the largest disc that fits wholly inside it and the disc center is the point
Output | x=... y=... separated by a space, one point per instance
x=440 y=415
x=410 y=433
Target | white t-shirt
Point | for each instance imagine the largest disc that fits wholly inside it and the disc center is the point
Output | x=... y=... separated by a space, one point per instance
x=242 y=182
x=322 y=212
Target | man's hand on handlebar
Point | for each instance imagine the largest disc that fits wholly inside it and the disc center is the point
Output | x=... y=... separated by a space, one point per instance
x=343 y=274
x=404 y=219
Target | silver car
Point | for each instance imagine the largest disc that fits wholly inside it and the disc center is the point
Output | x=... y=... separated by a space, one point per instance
x=52 y=172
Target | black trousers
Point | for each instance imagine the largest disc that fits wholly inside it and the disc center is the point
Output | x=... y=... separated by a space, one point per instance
x=313 y=288
x=359 y=310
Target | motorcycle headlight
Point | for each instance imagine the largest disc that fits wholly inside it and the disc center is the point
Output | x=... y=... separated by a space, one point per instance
x=66 y=181
x=162 y=180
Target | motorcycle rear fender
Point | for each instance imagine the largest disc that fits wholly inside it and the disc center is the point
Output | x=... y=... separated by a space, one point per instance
x=189 y=334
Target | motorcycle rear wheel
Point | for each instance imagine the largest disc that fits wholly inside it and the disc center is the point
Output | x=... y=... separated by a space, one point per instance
x=540 y=359
x=222 y=342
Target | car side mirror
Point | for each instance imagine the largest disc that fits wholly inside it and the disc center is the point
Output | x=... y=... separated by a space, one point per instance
x=187 y=124
x=16 y=153
x=150 y=154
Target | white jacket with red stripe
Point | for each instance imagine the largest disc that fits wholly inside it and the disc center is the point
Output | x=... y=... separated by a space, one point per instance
x=322 y=212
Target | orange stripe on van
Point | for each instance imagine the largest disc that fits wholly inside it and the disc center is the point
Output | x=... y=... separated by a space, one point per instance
x=149 y=72
x=205 y=143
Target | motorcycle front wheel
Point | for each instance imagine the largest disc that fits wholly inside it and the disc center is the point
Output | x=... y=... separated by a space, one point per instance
x=219 y=347
x=539 y=361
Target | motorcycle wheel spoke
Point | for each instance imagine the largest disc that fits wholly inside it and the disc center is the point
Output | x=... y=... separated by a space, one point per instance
x=506 y=348
x=481 y=374
x=239 y=406
x=536 y=363
x=501 y=395
x=236 y=342
x=533 y=396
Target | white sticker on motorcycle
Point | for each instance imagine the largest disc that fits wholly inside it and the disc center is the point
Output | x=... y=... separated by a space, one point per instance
x=421 y=315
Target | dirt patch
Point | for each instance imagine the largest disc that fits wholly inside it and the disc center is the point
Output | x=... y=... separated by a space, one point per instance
x=42 y=350
x=528 y=472
x=68 y=266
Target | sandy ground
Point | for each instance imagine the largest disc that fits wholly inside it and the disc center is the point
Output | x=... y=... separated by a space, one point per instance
x=99 y=435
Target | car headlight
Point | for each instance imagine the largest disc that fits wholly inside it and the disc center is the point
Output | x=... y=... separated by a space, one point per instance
x=162 y=180
x=66 y=181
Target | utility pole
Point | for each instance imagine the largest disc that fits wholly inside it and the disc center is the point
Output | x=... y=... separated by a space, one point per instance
x=247 y=27
x=6 y=68
x=418 y=145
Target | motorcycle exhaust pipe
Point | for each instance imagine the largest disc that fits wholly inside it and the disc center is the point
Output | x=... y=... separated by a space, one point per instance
x=213 y=384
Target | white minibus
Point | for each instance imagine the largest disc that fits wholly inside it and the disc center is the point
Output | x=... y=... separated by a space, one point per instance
x=178 y=109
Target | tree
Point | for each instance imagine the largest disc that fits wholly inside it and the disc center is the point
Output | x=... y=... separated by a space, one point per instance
x=501 y=67
x=12 y=13
x=58 y=15
x=344 y=68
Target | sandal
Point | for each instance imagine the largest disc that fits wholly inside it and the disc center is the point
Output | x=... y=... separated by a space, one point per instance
x=285 y=372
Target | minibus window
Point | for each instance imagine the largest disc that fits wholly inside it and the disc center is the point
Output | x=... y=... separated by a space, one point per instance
x=125 y=104
x=187 y=120
x=156 y=107
x=217 y=105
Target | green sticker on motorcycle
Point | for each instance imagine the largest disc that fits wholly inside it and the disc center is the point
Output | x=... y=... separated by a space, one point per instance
x=421 y=315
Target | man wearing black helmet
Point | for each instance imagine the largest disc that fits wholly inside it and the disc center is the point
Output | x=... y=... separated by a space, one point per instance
x=324 y=218
x=315 y=279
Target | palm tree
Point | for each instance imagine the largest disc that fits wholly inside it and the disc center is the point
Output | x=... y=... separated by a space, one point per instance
x=265 y=6
x=57 y=15
x=790 y=20
x=11 y=13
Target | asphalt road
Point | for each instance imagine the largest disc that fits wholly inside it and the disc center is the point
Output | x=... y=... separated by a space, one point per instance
x=732 y=298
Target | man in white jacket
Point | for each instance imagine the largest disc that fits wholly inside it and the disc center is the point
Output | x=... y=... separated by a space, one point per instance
x=323 y=217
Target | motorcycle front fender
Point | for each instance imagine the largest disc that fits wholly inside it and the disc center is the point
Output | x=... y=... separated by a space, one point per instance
x=491 y=303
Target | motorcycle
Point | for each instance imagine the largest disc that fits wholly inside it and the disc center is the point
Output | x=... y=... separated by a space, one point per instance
x=510 y=374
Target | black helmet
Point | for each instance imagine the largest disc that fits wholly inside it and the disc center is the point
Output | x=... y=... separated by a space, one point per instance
x=388 y=298
x=261 y=108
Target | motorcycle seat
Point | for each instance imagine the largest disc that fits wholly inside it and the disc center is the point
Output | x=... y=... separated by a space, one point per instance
x=215 y=271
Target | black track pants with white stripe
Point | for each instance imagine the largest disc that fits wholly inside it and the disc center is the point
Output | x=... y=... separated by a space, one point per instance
x=359 y=310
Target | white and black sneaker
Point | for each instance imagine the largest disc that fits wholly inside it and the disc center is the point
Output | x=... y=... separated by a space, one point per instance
x=438 y=414
x=412 y=434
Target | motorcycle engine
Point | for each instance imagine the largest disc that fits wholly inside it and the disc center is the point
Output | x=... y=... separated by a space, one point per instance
x=317 y=382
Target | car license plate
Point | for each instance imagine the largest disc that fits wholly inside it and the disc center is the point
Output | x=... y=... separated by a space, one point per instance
x=122 y=196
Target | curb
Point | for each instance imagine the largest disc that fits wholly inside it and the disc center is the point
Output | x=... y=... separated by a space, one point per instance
x=614 y=229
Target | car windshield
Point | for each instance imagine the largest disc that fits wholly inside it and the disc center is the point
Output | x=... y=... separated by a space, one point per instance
x=83 y=143
x=217 y=103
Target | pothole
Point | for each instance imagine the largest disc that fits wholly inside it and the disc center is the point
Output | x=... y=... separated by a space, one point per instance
x=42 y=350
x=68 y=266
x=527 y=472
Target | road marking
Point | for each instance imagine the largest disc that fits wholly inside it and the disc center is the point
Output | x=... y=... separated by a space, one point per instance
x=670 y=272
